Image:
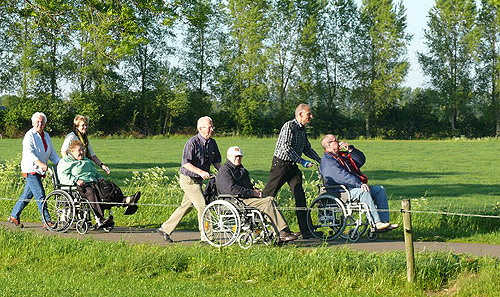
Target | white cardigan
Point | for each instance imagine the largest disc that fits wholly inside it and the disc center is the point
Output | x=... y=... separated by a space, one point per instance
x=33 y=150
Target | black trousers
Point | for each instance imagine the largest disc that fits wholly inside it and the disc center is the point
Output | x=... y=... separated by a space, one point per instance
x=288 y=172
x=90 y=192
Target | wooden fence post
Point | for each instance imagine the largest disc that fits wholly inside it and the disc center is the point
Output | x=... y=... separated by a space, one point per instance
x=408 y=233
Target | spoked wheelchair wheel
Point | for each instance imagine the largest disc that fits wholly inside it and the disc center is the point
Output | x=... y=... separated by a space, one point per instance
x=221 y=223
x=327 y=217
x=61 y=211
x=356 y=222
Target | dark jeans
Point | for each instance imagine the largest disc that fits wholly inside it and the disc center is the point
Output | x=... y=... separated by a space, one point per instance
x=288 y=172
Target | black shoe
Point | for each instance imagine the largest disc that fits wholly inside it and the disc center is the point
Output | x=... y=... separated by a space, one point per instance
x=132 y=205
x=287 y=236
x=165 y=236
x=109 y=222
x=309 y=235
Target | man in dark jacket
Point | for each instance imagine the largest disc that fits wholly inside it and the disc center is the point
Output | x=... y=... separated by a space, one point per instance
x=234 y=179
x=342 y=168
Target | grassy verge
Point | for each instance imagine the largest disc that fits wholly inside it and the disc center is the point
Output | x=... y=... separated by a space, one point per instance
x=450 y=176
x=35 y=265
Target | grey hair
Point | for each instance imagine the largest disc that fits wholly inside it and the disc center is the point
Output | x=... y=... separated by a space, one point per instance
x=203 y=119
x=300 y=107
x=37 y=115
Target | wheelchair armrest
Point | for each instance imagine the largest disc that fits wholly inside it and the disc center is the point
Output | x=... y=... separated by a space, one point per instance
x=228 y=196
x=336 y=188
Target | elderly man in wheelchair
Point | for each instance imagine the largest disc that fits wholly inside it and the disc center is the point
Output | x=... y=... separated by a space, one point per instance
x=340 y=172
x=80 y=191
x=240 y=212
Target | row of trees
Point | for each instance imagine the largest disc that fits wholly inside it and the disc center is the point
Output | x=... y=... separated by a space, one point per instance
x=153 y=66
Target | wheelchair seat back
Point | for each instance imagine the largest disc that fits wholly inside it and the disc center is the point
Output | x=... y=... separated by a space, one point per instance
x=55 y=181
x=337 y=190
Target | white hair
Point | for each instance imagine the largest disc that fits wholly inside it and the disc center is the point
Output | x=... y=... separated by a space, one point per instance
x=202 y=120
x=37 y=115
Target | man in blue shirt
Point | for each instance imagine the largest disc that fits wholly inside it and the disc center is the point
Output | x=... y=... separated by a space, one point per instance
x=200 y=152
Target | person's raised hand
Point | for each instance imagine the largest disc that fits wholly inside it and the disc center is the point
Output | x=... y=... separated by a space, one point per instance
x=344 y=145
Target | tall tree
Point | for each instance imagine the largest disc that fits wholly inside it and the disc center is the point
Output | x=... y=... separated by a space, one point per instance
x=200 y=40
x=489 y=53
x=451 y=39
x=248 y=61
x=380 y=62
x=284 y=39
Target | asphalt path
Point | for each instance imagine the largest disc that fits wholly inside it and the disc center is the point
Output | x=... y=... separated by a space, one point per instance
x=134 y=235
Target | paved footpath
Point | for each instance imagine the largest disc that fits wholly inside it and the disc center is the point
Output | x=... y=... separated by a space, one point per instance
x=149 y=236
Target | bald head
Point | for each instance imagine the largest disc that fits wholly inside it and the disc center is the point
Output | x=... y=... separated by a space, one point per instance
x=303 y=114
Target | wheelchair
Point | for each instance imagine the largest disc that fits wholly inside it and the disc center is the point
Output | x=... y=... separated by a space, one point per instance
x=227 y=220
x=334 y=213
x=65 y=205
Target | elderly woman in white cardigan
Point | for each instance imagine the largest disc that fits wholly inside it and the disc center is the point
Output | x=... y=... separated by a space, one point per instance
x=37 y=151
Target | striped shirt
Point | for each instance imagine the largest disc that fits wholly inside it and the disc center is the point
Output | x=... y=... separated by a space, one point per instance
x=201 y=153
x=292 y=142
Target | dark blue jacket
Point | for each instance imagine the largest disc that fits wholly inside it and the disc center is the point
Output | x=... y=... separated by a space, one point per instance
x=234 y=180
x=334 y=173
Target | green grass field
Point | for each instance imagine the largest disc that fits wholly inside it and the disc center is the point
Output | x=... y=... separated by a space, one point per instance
x=36 y=265
x=457 y=176
x=446 y=176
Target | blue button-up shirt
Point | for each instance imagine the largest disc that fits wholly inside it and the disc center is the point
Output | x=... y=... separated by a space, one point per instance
x=201 y=153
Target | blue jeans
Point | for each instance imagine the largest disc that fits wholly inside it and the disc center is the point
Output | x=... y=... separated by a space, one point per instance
x=376 y=200
x=33 y=188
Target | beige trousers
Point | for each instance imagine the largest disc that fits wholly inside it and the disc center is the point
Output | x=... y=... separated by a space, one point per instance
x=193 y=196
x=270 y=208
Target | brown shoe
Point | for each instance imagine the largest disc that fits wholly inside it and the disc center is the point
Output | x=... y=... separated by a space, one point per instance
x=16 y=222
x=287 y=236
x=50 y=226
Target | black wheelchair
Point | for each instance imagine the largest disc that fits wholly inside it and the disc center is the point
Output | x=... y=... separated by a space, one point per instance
x=66 y=206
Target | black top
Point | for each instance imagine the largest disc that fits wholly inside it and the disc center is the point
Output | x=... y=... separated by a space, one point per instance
x=234 y=180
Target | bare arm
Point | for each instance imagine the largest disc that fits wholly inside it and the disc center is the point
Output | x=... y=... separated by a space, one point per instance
x=192 y=168
x=100 y=164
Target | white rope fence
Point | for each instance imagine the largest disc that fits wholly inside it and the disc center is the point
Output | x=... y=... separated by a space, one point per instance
x=294 y=208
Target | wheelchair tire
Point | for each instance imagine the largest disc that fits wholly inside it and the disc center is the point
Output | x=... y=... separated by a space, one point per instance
x=61 y=209
x=326 y=217
x=82 y=226
x=352 y=222
x=221 y=223
x=245 y=240
x=371 y=235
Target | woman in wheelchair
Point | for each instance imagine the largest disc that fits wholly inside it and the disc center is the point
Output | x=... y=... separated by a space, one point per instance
x=75 y=168
x=234 y=179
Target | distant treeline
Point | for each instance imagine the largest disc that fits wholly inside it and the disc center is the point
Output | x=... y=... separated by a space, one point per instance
x=152 y=67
